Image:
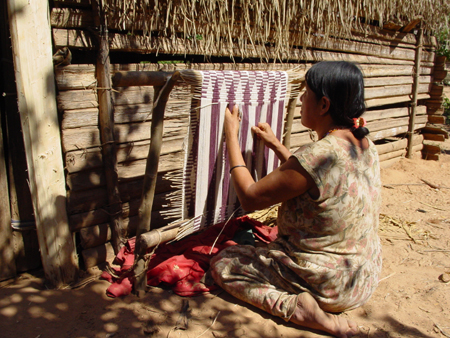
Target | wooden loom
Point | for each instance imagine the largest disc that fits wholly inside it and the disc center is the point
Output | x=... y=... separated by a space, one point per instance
x=163 y=83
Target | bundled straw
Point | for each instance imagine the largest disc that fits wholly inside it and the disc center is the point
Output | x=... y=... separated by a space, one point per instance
x=275 y=26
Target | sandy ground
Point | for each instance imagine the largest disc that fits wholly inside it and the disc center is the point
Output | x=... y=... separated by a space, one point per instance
x=412 y=300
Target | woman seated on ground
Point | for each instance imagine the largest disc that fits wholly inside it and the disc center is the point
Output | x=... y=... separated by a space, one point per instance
x=327 y=256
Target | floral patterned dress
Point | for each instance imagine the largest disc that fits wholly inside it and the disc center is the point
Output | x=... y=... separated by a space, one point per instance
x=327 y=246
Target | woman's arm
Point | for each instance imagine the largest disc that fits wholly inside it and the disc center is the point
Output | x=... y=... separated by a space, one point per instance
x=287 y=181
x=265 y=133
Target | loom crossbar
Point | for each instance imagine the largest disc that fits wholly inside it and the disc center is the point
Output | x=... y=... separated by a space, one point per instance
x=147 y=78
x=137 y=78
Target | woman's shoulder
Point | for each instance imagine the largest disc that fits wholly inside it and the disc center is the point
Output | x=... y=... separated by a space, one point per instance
x=353 y=146
x=332 y=150
x=324 y=145
x=323 y=153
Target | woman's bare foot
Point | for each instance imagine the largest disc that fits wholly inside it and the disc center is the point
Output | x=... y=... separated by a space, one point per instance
x=309 y=314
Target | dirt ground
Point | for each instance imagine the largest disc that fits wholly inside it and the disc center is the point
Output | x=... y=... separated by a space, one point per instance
x=412 y=300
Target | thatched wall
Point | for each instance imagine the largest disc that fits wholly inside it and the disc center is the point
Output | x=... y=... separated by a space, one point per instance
x=261 y=29
x=386 y=59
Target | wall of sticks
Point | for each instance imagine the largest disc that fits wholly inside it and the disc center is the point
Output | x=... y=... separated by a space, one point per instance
x=387 y=59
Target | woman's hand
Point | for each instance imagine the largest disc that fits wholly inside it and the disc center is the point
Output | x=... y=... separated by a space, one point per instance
x=286 y=182
x=265 y=133
x=231 y=123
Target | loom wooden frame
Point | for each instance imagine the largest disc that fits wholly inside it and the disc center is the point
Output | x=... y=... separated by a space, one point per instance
x=163 y=82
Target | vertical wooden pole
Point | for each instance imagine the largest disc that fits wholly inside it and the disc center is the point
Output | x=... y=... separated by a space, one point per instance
x=292 y=104
x=35 y=82
x=150 y=176
x=415 y=91
x=106 y=121
x=151 y=170
x=25 y=242
x=7 y=262
x=7 y=256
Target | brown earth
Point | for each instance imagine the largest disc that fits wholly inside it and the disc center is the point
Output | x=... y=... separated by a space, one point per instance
x=412 y=300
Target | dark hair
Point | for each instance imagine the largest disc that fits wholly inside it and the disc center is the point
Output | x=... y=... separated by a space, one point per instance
x=343 y=84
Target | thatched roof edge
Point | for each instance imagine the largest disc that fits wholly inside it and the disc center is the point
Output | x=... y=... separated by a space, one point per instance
x=279 y=24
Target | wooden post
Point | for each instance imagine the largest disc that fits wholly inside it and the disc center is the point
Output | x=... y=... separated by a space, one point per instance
x=290 y=116
x=151 y=172
x=7 y=263
x=106 y=121
x=25 y=241
x=35 y=82
x=7 y=86
x=415 y=90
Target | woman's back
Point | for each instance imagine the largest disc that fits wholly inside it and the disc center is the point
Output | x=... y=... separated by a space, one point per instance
x=348 y=180
x=338 y=230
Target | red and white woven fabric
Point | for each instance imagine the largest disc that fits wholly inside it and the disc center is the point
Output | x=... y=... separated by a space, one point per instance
x=261 y=97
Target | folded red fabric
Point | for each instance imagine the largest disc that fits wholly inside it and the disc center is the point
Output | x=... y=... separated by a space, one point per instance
x=182 y=265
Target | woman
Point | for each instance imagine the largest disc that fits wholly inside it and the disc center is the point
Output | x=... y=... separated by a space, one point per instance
x=327 y=256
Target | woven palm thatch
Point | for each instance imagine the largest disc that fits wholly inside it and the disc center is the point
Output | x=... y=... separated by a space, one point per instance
x=277 y=24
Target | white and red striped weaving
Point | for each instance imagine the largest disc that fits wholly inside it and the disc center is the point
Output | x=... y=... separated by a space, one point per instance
x=208 y=194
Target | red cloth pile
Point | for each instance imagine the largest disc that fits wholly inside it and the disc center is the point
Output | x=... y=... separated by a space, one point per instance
x=181 y=265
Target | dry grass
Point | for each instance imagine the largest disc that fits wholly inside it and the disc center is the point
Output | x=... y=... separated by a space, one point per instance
x=274 y=26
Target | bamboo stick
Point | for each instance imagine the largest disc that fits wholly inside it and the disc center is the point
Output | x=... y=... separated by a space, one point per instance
x=415 y=93
x=150 y=180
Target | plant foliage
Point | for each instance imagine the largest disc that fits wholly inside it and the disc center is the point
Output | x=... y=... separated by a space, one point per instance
x=443 y=39
x=446 y=105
